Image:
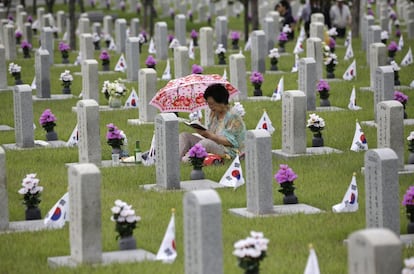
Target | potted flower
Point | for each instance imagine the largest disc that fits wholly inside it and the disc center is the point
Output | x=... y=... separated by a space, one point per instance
x=285 y=178
x=330 y=61
x=402 y=98
x=197 y=153
x=256 y=78
x=150 y=62
x=235 y=37
x=141 y=41
x=18 y=34
x=26 y=47
x=282 y=41
x=196 y=69
x=250 y=252
x=323 y=89
x=332 y=44
x=115 y=138
x=113 y=92
x=105 y=58
x=190 y=16
x=15 y=71
x=409 y=266
x=221 y=53
x=66 y=79
x=410 y=140
x=392 y=49
x=64 y=50
x=194 y=36
x=125 y=222
x=96 y=38
x=47 y=121
x=31 y=192
x=316 y=124
x=408 y=202
x=274 y=56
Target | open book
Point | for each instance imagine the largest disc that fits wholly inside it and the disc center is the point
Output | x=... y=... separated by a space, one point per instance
x=196 y=124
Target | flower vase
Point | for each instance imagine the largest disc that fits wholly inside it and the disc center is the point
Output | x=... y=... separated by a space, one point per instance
x=282 y=47
x=252 y=271
x=317 y=140
x=405 y=112
x=51 y=135
x=33 y=213
x=396 y=78
x=127 y=243
x=97 y=45
x=197 y=174
x=222 y=59
x=117 y=150
x=26 y=53
x=290 y=198
x=391 y=55
x=114 y=102
x=65 y=57
x=105 y=66
x=17 y=78
x=151 y=66
x=410 y=216
x=235 y=44
x=410 y=160
x=330 y=68
x=107 y=43
x=273 y=63
x=257 y=90
x=195 y=42
x=18 y=40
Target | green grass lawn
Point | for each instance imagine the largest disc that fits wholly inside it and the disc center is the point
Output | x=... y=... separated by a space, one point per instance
x=322 y=180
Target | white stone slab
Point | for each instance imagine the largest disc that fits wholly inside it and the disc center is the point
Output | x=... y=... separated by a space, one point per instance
x=309 y=151
x=407 y=122
x=275 y=72
x=138 y=122
x=52 y=144
x=279 y=210
x=23 y=226
x=126 y=256
x=331 y=108
x=188 y=185
x=105 y=108
x=54 y=97
x=259 y=98
x=107 y=163
x=331 y=80
x=9 y=88
x=408 y=169
x=5 y=128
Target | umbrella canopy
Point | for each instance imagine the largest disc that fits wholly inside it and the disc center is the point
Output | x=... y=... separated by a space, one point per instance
x=185 y=94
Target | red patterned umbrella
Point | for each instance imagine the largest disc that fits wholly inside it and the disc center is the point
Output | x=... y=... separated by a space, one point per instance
x=185 y=94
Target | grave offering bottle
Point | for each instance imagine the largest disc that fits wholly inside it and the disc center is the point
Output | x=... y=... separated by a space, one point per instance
x=138 y=153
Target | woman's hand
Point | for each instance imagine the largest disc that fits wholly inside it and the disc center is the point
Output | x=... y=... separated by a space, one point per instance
x=221 y=140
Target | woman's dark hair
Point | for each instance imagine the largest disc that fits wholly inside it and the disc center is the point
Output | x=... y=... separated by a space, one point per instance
x=285 y=4
x=218 y=92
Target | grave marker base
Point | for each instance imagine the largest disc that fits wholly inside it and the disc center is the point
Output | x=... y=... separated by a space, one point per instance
x=407 y=122
x=278 y=210
x=52 y=144
x=187 y=185
x=5 y=128
x=127 y=256
x=24 y=226
x=309 y=151
x=53 y=97
x=106 y=163
x=105 y=108
x=407 y=169
x=138 y=122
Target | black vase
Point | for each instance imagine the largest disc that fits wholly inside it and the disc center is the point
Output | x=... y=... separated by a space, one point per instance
x=396 y=78
x=330 y=68
x=290 y=198
x=235 y=44
x=26 y=53
x=197 y=174
x=325 y=102
x=97 y=45
x=410 y=216
x=195 y=42
x=17 y=78
x=105 y=67
x=51 y=135
x=127 y=243
x=273 y=63
x=222 y=59
x=257 y=90
x=317 y=140
x=410 y=160
x=33 y=213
